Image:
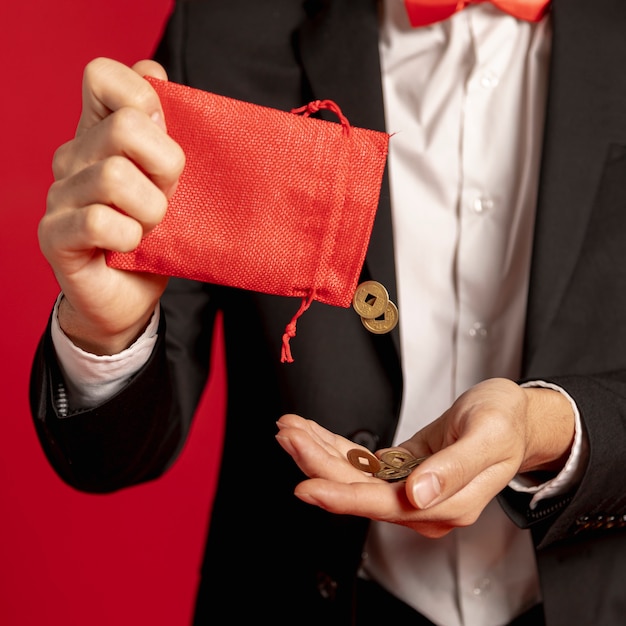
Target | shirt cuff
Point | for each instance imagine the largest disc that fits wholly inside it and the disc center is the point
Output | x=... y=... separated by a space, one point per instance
x=574 y=468
x=91 y=379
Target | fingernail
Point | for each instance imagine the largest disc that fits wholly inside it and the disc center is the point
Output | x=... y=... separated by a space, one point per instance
x=426 y=489
x=286 y=444
x=308 y=498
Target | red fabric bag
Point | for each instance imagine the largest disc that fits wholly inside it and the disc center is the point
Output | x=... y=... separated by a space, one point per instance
x=269 y=200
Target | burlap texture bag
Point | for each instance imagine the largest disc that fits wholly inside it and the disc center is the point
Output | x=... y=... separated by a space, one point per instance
x=271 y=201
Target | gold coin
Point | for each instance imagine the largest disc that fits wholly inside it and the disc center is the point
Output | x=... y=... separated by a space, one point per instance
x=397 y=465
x=393 y=465
x=396 y=458
x=384 y=324
x=370 y=299
x=363 y=460
x=393 y=473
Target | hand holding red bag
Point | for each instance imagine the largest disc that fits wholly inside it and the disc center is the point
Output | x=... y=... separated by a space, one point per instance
x=269 y=201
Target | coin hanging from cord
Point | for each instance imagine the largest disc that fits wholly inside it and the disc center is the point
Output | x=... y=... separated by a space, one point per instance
x=370 y=299
x=385 y=323
x=377 y=312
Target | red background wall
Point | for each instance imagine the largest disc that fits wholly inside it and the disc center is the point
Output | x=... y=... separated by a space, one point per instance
x=68 y=558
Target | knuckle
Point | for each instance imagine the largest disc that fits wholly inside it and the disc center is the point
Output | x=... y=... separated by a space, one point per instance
x=459 y=470
x=53 y=197
x=125 y=121
x=95 y=221
x=467 y=519
x=434 y=530
x=92 y=70
x=158 y=208
x=96 y=73
x=113 y=171
x=177 y=160
x=42 y=234
x=61 y=159
x=144 y=96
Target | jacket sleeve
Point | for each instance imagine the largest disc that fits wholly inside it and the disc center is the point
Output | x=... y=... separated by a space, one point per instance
x=598 y=504
x=138 y=433
x=131 y=438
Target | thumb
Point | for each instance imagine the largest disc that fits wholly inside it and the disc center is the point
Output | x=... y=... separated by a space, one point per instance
x=452 y=469
x=147 y=67
x=153 y=69
x=424 y=490
x=109 y=85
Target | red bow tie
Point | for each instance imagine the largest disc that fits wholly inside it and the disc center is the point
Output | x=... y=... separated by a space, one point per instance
x=424 y=12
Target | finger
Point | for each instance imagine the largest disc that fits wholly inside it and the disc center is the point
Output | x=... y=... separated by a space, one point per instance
x=148 y=67
x=379 y=501
x=383 y=501
x=337 y=486
x=374 y=499
x=130 y=133
x=75 y=238
x=465 y=467
x=109 y=85
x=330 y=441
x=115 y=182
x=317 y=451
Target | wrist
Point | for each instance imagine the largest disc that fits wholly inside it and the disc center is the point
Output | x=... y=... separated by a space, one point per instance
x=552 y=428
x=94 y=338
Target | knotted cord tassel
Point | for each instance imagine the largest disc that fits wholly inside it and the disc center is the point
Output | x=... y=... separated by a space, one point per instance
x=290 y=329
x=329 y=105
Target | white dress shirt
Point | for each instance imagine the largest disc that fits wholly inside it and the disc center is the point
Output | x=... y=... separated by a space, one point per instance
x=464 y=102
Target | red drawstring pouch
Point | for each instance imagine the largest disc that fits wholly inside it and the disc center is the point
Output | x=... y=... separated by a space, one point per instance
x=270 y=201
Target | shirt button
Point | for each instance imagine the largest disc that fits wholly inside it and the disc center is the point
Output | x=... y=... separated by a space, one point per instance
x=478 y=331
x=482 y=204
x=489 y=80
x=326 y=586
x=481 y=587
x=365 y=438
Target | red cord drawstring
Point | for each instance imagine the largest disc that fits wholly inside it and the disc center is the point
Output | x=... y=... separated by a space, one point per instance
x=329 y=105
x=290 y=329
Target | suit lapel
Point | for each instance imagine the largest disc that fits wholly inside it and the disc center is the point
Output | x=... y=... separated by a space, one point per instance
x=588 y=60
x=339 y=49
x=588 y=55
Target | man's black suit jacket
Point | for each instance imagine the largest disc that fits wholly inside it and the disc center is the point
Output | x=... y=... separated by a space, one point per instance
x=290 y=562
